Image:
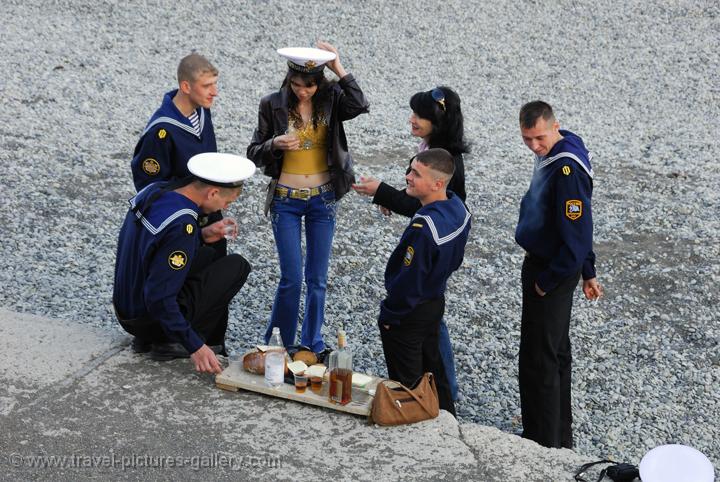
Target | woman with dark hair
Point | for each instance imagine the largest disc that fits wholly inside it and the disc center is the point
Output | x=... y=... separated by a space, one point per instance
x=301 y=144
x=437 y=120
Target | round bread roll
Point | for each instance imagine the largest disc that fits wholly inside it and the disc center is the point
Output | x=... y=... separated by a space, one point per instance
x=254 y=362
x=308 y=357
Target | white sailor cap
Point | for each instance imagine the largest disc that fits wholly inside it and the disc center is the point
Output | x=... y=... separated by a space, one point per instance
x=673 y=462
x=223 y=170
x=306 y=60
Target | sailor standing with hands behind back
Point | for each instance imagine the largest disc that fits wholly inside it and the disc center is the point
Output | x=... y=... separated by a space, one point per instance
x=555 y=229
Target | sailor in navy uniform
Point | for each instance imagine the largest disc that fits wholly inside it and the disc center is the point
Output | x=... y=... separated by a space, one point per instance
x=430 y=249
x=171 y=290
x=179 y=129
x=555 y=229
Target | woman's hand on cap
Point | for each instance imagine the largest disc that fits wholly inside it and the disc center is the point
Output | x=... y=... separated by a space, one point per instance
x=335 y=64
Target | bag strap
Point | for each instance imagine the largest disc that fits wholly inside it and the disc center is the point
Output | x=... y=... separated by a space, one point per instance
x=581 y=471
x=423 y=402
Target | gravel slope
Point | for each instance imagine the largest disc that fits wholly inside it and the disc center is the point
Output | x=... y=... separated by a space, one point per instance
x=638 y=80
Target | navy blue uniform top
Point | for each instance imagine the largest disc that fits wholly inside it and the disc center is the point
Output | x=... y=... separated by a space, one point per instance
x=555 y=221
x=168 y=142
x=155 y=250
x=430 y=249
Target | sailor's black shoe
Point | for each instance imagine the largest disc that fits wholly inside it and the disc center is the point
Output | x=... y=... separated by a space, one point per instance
x=140 y=345
x=168 y=351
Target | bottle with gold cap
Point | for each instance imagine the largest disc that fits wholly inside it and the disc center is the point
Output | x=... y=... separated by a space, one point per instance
x=340 y=372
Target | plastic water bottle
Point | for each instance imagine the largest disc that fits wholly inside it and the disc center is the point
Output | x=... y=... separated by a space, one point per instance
x=275 y=360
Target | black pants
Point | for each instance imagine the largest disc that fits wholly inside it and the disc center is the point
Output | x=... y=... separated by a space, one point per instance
x=411 y=349
x=210 y=285
x=545 y=359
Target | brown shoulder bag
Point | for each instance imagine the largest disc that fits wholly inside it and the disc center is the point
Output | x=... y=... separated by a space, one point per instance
x=396 y=404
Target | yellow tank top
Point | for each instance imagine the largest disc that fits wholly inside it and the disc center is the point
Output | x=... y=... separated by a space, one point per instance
x=311 y=158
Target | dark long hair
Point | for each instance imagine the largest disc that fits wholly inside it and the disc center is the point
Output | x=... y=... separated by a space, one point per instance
x=318 y=100
x=447 y=124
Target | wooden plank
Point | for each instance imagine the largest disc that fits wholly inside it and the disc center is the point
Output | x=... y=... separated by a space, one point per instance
x=229 y=388
x=361 y=403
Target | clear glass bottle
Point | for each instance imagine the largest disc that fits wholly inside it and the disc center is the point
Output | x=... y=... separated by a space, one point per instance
x=340 y=372
x=275 y=360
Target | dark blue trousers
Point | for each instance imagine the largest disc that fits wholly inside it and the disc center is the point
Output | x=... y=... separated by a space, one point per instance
x=545 y=359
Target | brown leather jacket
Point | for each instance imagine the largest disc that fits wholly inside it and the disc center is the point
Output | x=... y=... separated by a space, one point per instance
x=346 y=101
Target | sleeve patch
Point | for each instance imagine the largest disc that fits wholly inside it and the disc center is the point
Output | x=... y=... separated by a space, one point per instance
x=177 y=260
x=189 y=228
x=408 y=256
x=566 y=170
x=162 y=133
x=417 y=225
x=151 y=167
x=573 y=209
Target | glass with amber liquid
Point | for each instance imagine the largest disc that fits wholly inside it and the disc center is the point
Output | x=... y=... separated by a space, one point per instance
x=340 y=370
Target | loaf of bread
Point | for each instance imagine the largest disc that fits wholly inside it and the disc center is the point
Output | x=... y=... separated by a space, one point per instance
x=307 y=357
x=254 y=362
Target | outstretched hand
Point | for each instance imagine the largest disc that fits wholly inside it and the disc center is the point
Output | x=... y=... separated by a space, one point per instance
x=367 y=186
x=206 y=361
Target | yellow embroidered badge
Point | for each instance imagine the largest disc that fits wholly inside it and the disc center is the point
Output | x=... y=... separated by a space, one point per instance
x=573 y=209
x=162 y=133
x=189 y=228
x=177 y=260
x=408 y=256
x=151 y=167
x=566 y=170
x=417 y=225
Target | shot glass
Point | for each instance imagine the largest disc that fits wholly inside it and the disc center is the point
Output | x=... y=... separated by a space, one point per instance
x=316 y=384
x=301 y=382
x=230 y=230
x=235 y=364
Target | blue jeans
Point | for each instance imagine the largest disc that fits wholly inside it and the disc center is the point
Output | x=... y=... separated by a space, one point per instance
x=447 y=358
x=287 y=214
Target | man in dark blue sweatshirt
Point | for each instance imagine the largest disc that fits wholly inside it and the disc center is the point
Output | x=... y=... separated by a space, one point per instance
x=555 y=229
x=180 y=128
x=430 y=249
x=171 y=290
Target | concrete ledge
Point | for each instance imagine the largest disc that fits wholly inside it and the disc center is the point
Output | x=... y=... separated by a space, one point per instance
x=76 y=392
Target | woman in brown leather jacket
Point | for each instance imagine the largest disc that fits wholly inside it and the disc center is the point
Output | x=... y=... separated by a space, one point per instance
x=301 y=144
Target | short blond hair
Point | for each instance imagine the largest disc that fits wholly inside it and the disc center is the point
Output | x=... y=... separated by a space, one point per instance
x=193 y=66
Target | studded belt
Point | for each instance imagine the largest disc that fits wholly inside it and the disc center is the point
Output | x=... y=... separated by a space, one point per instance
x=303 y=193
